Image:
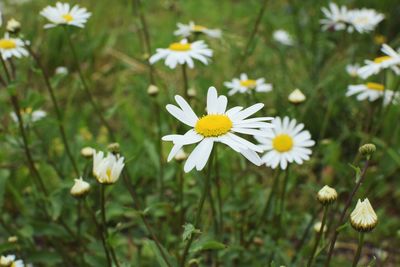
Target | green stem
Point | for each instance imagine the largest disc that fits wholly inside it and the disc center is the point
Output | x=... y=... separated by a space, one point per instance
x=180 y=196
x=270 y=197
x=185 y=81
x=318 y=237
x=160 y=148
x=359 y=248
x=219 y=195
x=283 y=194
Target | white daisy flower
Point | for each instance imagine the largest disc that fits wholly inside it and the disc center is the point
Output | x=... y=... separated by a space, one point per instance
x=107 y=169
x=286 y=142
x=371 y=92
x=9 y=260
x=364 y=20
x=336 y=17
x=352 y=69
x=183 y=53
x=283 y=37
x=12 y=47
x=63 y=14
x=391 y=60
x=219 y=125
x=185 y=30
x=29 y=115
x=245 y=85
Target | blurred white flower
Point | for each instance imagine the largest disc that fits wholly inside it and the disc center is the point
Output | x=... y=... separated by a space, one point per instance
x=61 y=70
x=183 y=53
x=12 y=47
x=87 y=152
x=107 y=169
x=246 y=85
x=296 y=97
x=352 y=69
x=336 y=17
x=285 y=143
x=9 y=260
x=29 y=115
x=363 y=218
x=80 y=188
x=372 y=91
x=363 y=20
x=63 y=14
x=283 y=37
x=219 y=125
x=13 y=26
x=185 y=30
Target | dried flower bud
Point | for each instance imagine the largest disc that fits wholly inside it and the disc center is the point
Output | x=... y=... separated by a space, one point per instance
x=13 y=26
x=327 y=195
x=87 y=152
x=367 y=150
x=296 y=97
x=80 y=188
x=181 y=155
x=152 y=90
x=363 y=218
x=114 y=148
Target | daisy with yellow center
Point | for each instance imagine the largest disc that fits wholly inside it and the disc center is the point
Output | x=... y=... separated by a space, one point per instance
x=64 y=14
x=29 y=115
x=372 y=91
x=285 y=143
x=246 y=85
x=186 y=30
x=107 y=170
x=12 y=47
x=10 y=261
x=218 y=125
x=390 y=59
x=183 y=52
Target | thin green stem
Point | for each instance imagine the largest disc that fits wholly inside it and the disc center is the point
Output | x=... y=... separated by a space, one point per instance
x=219 y=195
x=160 y=148
x=5 y=69
x=318 y=237
x=185 y=81
x=283 y=194
x=180 y=196
x=359 y=248
x=270 y=197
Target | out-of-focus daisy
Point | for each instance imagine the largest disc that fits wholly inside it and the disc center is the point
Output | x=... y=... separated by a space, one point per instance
x=29 y=115
x=107 y=169
x=9 y=260
x=218 y=125
x=363 y=20
x=372 y=91
x=185 y=30
x=336 y=17
x=391 y=60
x=12 y=47
x=352 y=69
x=296 y=97
x=63 y=14
x=286 y=142
x=183 y=53
x=245 y=85
x=283 y=37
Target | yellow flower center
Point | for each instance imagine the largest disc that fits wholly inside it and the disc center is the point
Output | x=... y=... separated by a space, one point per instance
x=180 y=47
x=26 y=111
x=375 y=86
x=108 y=173
x=198 y=28
x=379 y=39
x=250 y=84
x=7 y=44
x=381 y=59
x=282 y=143
x=68 y=17
x=213 y=125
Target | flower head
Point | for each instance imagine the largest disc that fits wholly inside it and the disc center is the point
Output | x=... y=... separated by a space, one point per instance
x=336 y=17
x=9 y=261
x=63 y=14
x=363 y=218
x=218 y=125
x=80 y=188
x=286 y=142
x=182 y=53
x=107 y=169
x=13 y=26
x=363 y=20
x=296 y=97
x=12 y=47
x=29 y=115
x=246 y=85
x=185 y=30
x=283 y=37
x=327 y=195
x=372 y=91
x=87 y=152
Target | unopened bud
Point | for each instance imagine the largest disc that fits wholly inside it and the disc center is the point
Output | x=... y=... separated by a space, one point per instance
x=296 y=97
x=114 y=148
x=80 y=188
x=87 y=152
x=152 y=90
x=13 y=26
x=327 y=195
x=191 y=92
x=181 y=155
x=367 y=150
x=363 y=218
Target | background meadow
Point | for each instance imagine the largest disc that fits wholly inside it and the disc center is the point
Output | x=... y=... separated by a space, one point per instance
x=55 y=230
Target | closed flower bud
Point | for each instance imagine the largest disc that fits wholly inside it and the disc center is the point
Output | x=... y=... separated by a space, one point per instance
x=80 y=188
x=13 y=239
x=87 y=152
x=363 y=218
x=367 y=150
x=327 y=195
x=317 y=227
x=191 y=92
x=114 y=148
x=152 y=90
x=181 y=155
x=13 y=26
x=296 y=97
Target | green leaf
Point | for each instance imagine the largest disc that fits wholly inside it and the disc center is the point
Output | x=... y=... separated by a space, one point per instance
x=342 y=227
x=357 y=170
x=189 y=229
x=207 y=245
x=4 y=174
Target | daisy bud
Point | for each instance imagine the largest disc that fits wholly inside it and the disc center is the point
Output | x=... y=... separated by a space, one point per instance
x=13 y=26
x=13 y=239
x=87 y=152
x=181 y=156
x=367 y=150
x=61 y=70
x=152 y=90
x=296 y=97
x=317 y=227
x=327 y=195
x=363 y=218
x=192 y=93
x=80 y=188
x=114 y=148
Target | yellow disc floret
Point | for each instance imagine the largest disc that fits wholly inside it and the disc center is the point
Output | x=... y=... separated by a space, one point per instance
x=68 y=17
x=213 y=125
x=381 y=59
x=375 y=86
x=250 y=84
x=198 y=28
x=282 y=143
x=180 y=47
x=7 y=44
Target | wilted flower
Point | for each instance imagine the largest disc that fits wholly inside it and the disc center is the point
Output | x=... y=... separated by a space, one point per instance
x=185 y=30
x=107 y=169
x=327 y=195
x=63 y=14
x=296 y=97
x=246 y=85
x=363 y=218
x=80 y=188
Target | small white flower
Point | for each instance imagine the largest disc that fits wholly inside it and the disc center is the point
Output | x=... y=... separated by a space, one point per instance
x=352 y=69
x=107 y=169
x=63 y=14
x=9 y=260
x=185 y=30
x=371 y=92
x=80 y=188
x=245 y=85
x=363 y=20
x=29 y=115
x=286 y=142
x=296 y=97
x=183 y=53
x=391 y=59
x=283 y=37
x=12 y=47
x=219 y=125
x=336 y=17
x=363 y=218
x=61 y=70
